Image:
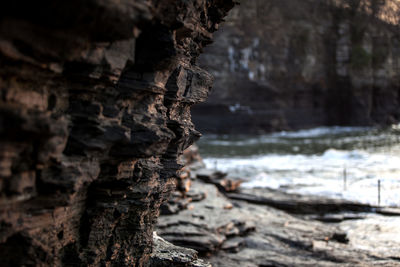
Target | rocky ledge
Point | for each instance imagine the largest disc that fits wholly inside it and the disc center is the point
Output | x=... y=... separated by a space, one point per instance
x=261 y=227
x=95 y=101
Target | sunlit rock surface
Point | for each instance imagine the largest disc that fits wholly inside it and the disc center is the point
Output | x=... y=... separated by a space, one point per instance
x=94 y=110
x=290 y=64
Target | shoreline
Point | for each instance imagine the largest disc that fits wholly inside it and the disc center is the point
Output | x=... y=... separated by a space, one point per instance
x=336 y=162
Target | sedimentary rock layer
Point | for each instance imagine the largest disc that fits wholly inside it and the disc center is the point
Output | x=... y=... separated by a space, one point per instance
x=94 y=110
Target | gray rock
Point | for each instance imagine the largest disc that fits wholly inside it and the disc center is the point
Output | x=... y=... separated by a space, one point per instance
x=167 y=255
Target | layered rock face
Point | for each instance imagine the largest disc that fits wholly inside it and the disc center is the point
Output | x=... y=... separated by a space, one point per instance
x=296 y=64
x=94 y=110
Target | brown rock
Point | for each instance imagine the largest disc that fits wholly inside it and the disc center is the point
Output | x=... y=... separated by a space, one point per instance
x=219 y=179
x=94 y=111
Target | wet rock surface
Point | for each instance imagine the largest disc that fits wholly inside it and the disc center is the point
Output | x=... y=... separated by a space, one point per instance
x=95 y=101
x=242 y=232
x=298 y=204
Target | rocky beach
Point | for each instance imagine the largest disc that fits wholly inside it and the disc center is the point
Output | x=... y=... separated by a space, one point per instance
x=95 y=114
x=233 y=226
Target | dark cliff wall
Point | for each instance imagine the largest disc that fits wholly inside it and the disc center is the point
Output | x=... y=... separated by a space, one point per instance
x=289 y=64
x=94 y=109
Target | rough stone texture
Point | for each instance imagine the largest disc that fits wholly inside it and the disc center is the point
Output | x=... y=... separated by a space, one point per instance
x=94 y=110
x=184 y=193
x=166 y=254
x=208 y=225
x=290 y=64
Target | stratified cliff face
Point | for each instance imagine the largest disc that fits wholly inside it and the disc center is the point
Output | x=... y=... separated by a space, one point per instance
x=94 y=110
x=289 y=64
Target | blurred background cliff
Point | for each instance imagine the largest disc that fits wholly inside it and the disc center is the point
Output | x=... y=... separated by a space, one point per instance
x=291 y=64
x=329 y=72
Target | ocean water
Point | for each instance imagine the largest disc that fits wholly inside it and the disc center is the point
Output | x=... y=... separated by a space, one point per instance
x=340 y=162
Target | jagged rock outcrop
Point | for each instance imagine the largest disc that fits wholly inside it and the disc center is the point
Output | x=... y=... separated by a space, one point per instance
x=94 y=110
x=290 y=64
x=184 y=194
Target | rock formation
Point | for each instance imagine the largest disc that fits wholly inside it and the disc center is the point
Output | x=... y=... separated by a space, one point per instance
x=94 y=110
x=290 y=64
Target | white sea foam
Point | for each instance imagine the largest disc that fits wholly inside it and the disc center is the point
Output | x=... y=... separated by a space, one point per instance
x=319 y=131
x=318 y=173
